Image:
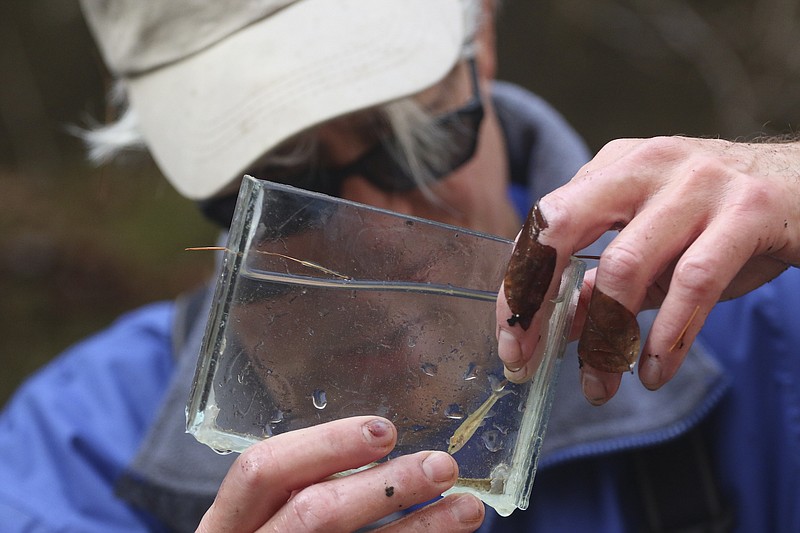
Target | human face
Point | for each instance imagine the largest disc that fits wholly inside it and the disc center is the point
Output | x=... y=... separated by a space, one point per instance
x=474 y=195
x=380 y=166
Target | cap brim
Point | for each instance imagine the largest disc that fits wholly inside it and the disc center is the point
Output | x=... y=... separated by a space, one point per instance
x=207 y=118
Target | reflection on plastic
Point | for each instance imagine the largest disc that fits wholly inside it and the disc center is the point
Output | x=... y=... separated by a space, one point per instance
x=326 y=309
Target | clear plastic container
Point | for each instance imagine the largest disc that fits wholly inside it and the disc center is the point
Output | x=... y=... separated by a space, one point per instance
x=326 y=309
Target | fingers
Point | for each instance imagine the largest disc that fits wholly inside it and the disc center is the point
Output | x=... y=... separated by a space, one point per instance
x=626 y=273
x=698 y=281
x=456 y=512
x=261 y=480
x=518 y=347
x=572 y=220
x=700 y=220
x=528 y=277
x=284 y=483
x=699 y=235
x=530 y=286
x=598 y=386
x=348 y=503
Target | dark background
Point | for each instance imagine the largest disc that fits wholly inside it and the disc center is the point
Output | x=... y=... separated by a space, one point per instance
x=79 y=245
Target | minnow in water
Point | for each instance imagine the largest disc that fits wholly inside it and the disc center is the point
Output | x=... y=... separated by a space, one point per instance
x=468 y=428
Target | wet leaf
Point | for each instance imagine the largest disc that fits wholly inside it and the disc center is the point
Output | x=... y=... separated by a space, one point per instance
x=529 y=271
x=610 y=338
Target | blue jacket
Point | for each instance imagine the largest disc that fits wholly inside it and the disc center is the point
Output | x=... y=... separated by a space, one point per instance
x=86 y=440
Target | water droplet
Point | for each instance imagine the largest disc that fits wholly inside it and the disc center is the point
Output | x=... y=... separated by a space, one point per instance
x=454 y=412
x=320 y=399
x=493 y=440
x=429 y=369
x=471 y=372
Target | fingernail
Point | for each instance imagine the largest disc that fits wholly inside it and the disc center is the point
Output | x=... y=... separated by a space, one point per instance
x=466 y=508
x=378 y=431
x=519 y=375
x=514 y=369
x=510 y=351
x=593 y=388
x=650 y=373
x=439 y=467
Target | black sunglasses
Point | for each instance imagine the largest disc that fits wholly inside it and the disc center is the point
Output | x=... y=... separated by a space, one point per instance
x=383 y=169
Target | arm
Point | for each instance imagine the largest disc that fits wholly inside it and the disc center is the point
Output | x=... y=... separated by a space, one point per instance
x=284 y=483
x=700 y=220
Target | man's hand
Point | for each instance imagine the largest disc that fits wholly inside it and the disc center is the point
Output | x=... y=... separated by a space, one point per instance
x=284 y=484
x=700 y=220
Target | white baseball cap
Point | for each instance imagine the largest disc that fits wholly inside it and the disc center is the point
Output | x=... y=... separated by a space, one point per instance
x=217 y=83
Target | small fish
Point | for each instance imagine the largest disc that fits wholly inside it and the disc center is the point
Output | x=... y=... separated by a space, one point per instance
x=472 y=483
x=468 y=428
x=491 y=486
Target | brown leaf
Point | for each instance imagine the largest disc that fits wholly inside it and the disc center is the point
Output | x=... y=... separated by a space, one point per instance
x=610 y=338
x=529 y=271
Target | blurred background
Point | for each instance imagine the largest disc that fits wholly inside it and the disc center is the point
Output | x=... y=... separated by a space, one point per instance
x=79 y=245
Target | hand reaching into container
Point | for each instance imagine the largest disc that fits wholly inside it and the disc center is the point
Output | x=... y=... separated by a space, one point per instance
x=699 y=220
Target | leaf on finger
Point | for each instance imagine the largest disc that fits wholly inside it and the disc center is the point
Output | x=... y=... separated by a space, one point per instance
x=610 y=338
x=529 y=271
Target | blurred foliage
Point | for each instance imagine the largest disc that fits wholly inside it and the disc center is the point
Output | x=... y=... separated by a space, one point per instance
x=80 y=245
x=78 y=250
x=639 y=68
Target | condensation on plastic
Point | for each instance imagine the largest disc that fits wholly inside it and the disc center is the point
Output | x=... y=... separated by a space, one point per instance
x=325 y=309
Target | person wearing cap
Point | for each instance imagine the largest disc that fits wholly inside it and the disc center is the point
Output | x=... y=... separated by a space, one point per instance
x=393 y=103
